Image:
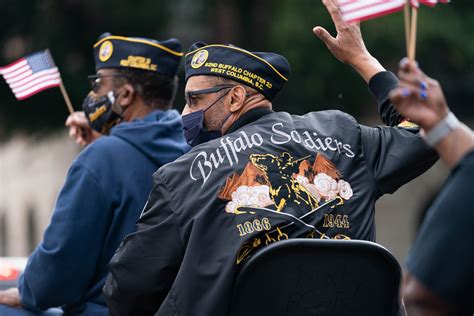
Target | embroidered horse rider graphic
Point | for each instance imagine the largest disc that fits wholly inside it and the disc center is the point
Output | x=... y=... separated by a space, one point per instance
x=284 y=190
x=298 y=190
x=280 y=181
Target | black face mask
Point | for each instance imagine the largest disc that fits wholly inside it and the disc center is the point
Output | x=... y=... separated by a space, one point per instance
x=101 y=112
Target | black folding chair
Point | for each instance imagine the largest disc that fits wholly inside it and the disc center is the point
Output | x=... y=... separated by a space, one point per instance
x=309 y=277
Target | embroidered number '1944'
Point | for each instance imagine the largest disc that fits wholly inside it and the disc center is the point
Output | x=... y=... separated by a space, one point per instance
x=339 y=221
x=253 y=226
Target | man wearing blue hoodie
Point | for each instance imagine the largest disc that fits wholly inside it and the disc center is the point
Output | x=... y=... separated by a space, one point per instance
x=108 y=183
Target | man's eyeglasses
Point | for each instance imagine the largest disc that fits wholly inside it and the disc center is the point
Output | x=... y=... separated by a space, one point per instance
x=94 y=80
x=190 y=95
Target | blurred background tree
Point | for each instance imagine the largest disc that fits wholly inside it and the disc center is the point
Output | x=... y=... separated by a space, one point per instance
x=69 y=28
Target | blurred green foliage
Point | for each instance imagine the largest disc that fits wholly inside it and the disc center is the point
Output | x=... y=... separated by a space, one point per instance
x=69 y=28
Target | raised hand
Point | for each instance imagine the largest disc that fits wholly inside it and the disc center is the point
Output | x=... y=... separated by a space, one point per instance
x=348 y=46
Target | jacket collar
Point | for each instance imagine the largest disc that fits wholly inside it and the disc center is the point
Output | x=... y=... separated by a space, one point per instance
x=249 y=117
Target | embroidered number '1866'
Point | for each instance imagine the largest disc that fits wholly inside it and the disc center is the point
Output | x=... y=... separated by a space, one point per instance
x=253 y=226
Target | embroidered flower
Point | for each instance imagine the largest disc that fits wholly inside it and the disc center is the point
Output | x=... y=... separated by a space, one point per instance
x=345 y=190
x=242 y=196
x=302 y=180
x=314 y=192
x=326 y=186
x=251 y=196
x=230 y=207
x=262 y=195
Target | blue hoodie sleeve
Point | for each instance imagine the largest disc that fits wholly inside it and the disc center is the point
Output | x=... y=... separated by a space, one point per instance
x=62 y=266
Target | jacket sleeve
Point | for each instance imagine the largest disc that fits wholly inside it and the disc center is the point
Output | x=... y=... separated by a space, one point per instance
x=145 y=266
x=395 y=156
x=380 y=86
x=62 y=266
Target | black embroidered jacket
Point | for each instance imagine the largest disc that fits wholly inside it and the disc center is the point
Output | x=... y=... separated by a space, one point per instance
x=273 y=176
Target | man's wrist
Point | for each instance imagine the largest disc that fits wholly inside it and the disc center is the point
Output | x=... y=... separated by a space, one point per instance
x=367 y=66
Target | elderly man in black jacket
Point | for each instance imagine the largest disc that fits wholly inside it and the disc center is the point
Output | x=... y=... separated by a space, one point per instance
x=256 y=176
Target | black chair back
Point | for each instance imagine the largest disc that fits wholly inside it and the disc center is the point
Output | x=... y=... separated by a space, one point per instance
x=312 y=277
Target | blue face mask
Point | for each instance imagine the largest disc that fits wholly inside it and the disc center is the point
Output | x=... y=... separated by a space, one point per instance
x=193 y=125
x=194 y=131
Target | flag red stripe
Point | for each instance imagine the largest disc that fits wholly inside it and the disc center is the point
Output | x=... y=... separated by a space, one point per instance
x=355 y=6
x=46 y=85
x=10 y=67
x=428 y=3
x=35 y=82
x=16 y=72
x=28 y=79
x=368 y=17
x=362 y=10
x=20 y=76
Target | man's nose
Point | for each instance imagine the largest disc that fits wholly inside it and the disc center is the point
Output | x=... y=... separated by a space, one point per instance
x=186 y=110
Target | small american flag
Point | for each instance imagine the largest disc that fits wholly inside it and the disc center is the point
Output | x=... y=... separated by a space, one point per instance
x=31 y=74
x=361 y=10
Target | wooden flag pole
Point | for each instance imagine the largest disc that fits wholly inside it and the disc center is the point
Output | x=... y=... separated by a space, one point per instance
x=407 y=25
x=412 y=50
x=66 y=97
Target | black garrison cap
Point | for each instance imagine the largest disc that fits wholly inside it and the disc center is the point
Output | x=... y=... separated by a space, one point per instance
x=265 y=72
x=141 y=53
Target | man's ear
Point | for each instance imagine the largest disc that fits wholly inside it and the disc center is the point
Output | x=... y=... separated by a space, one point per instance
x=126 y=95
x=237 y=98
